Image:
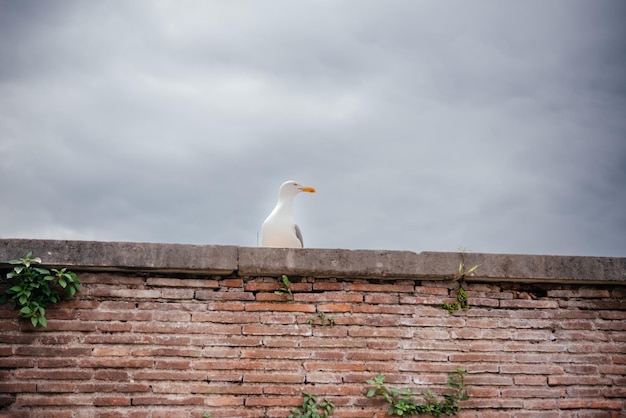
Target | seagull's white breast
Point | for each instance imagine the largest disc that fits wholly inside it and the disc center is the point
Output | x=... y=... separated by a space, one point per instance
x=279 y=230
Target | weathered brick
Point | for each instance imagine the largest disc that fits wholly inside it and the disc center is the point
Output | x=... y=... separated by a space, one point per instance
x=273 y=377
x=328 y=286
x=280 y=307
x=8 y=387
x=274 y=329
x=531 y=304
x=111 y=401
x=167 y=400
x=124 y=293
x=214 y=295
x=578 y=380
x=186 y=283
x=232 y=347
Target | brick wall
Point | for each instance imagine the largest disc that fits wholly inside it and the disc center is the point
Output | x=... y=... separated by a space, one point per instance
x=150 y=342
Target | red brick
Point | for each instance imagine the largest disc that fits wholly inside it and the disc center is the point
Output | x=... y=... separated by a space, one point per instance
x=381 y=299
x=573 y=403
x=172 y=364
x=186 y=328
x=275 y=329
x=186 y=283
x=111 y=401
x=530 y=369
x=231 y=283
x=607 y=404
x=167 y=352
x=280 y=307
x=167 y=400
x=578 y=380
x=226 y=306
x=50 y=374
x=224 y=401
x=275 y=318
x=8 y=387
x=328 y=297
x=328 y=286
x=271 y=297
x=384 y=309
x=223 y=296
x=273 y=377
x=532 y=380
x=334 y=307
x=124 y=293
x=532 y=304
x=511 y=393
x=6 y=400
x=115 y=362
x=56 y=363
x=387 y=287
x=168 y=375
x=56 y=351
x=55 y=399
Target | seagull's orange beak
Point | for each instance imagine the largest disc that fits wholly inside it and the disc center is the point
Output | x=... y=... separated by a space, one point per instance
x=308 y=189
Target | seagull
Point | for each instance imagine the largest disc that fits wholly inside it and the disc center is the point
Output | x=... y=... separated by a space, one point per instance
x=279 y=229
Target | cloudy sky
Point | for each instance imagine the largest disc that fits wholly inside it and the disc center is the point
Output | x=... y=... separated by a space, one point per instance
x=424 y=125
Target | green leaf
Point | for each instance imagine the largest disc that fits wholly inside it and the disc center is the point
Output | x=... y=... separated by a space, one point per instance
x=26 y=310
x=472 y=269
x=370 y=393
x=34 y=320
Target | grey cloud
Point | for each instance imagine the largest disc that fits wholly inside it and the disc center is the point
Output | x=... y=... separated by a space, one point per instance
x=424 y=125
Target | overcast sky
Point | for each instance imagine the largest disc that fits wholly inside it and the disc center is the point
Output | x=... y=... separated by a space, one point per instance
x=424 y=125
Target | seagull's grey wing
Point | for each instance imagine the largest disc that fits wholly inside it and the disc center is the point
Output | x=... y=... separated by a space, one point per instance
x=298 y=234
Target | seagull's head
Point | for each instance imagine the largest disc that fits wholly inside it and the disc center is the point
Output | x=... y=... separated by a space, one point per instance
x=292 y=188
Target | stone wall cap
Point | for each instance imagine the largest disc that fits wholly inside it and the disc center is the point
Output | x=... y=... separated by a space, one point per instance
x=112 y=256
x=314 y=262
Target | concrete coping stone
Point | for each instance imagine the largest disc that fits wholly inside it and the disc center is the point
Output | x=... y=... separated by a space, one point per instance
x=335 y=263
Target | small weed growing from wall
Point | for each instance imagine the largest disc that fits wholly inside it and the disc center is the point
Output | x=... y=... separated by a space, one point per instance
x=35 y=288
x=325 y=321
x=404 y=403
x=461 y=300
x=461 y=294
x=311 y=408
x=285 y=287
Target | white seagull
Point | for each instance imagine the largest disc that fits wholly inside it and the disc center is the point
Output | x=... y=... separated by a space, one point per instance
x=279 y=229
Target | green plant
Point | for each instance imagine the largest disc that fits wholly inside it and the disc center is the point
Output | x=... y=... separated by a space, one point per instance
x=207 y=415
x=311 y=408
x=404 y=403
x=461 y=300
x=286 y=287
x=35 y=288
x=325 y=321
x=458 y=278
